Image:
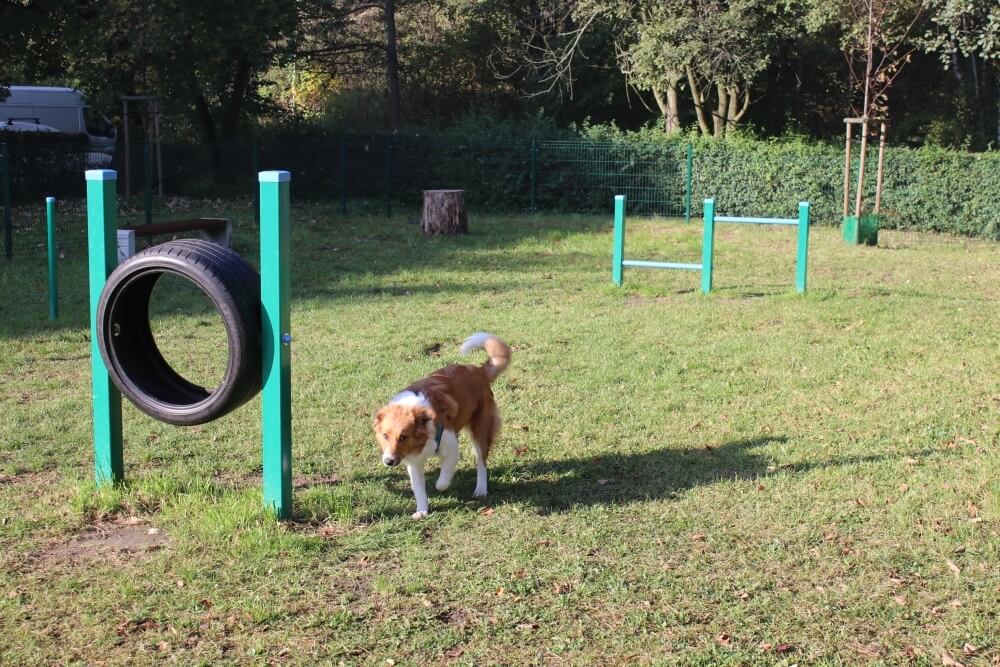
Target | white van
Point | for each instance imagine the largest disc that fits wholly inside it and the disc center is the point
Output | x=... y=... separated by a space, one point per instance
x=64 y=109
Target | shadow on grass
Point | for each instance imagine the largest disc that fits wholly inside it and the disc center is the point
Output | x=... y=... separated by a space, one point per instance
x=616 y=479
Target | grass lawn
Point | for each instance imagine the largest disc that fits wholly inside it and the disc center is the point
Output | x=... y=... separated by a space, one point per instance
x=753 y=477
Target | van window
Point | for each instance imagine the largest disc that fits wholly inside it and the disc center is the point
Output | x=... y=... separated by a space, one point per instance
x=97 y=125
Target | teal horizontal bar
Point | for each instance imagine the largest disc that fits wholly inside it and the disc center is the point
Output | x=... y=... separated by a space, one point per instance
x=661 y=265
x=758 y=221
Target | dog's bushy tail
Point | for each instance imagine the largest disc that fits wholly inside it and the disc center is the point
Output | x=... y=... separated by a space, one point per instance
x=498 y=351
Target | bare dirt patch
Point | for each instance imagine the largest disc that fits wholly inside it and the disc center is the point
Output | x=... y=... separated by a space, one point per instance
x=124 y=540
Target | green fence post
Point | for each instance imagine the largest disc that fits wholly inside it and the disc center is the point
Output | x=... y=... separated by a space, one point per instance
x=687 y=188
x=275 y=288
x=534 y=167
x=708 y=246
x=618 y=247
x=802 y=251
x=147 y=177
x=50 y=227
x=388 y=177
x=5 y=196
x=102 y=251
x=343 y=176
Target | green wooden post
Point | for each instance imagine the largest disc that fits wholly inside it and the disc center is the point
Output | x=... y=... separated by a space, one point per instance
x=534 y=167
x=343 y=176
x=708 y=246
x=8 y=223
x=147 y=177
x=102 y=250
x=687 y=188
x=276 y=402
x=802 y=252
x=50 y=226
x=618 y=249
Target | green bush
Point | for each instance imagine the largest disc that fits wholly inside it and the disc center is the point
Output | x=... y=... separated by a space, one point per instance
x=932 y=189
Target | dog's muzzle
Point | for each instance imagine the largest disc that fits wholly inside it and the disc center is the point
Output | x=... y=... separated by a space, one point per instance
x=389 y=460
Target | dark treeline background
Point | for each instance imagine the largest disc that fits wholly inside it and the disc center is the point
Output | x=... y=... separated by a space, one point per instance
x=231 y=69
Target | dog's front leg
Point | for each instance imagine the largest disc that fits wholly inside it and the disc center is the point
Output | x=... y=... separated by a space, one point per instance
x=419 y=485
x=449 y=459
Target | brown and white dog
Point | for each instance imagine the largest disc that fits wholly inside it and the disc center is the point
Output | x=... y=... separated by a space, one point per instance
x=424 y=419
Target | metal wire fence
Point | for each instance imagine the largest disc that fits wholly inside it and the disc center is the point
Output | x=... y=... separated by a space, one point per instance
x=362 y=174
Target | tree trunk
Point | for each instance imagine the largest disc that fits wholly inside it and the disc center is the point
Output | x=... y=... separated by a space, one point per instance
x=392 y=64
x=735 y=115
x=203 y=114
x=668 y=108
x=721 y=111
x=444 y=212
x=698 y=100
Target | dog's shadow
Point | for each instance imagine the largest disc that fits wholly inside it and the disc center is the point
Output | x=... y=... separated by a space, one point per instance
x=554 y=486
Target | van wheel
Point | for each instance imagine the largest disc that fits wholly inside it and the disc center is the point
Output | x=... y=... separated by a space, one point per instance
x=128 y=347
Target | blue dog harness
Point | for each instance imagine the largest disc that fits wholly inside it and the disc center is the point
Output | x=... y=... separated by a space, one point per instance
x=437 y=437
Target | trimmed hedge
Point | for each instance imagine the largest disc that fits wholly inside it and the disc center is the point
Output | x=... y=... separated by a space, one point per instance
x=930 y=189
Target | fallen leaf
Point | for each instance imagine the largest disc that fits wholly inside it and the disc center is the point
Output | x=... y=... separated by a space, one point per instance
x=205 y=604
x=724 y=640
x=973 y=509
x=603 y=482
x=520 y=451
x=970 y=650
x=784 y=648
x=180 y=583
x=455 y=652
x=765 y=646
x=488 y=511
x=163 y=647
x=900 y=600
x=698 y=537
x=954 y=568
x=903 y=488
x=527 y=626
x=956 y=603
x=949 y=661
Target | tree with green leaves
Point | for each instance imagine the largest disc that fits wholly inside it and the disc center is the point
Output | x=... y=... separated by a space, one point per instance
x=965 y=35
x=716 y=48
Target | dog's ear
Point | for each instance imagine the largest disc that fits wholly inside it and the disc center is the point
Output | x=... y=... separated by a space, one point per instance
x=377 y=420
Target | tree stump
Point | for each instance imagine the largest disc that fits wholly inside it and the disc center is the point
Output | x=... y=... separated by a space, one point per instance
x=444 y=212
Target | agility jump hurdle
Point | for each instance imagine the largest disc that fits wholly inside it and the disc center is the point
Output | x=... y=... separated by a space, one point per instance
x=618 y=261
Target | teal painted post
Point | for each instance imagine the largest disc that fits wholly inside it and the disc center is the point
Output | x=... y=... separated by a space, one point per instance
x=147 y=178
x=708 y=246
x=8 y=223
x=343 y=176
x=687 y=188
x=618 y=249
x=102 y=251
x=534 y=167
x=276 y=401
x=802 y=251
x=50 y=228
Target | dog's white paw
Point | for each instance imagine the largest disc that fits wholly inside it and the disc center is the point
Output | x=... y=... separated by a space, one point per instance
x=419 y=515
x=442 y=484
x=479 y=493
